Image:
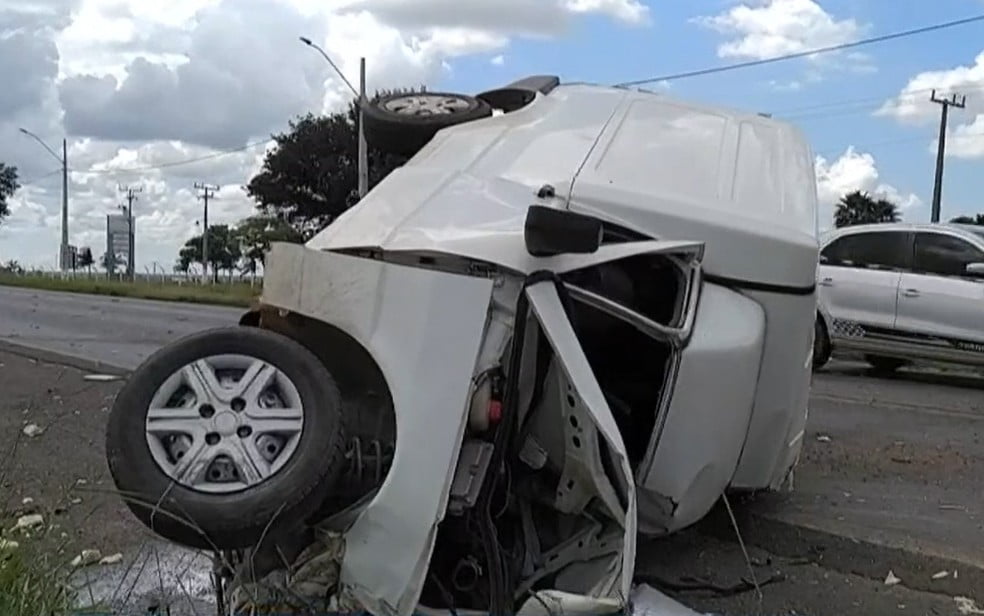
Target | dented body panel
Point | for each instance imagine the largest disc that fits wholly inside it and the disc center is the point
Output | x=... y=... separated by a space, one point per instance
x=403 y=317
x=696 y=453
x=432 y=275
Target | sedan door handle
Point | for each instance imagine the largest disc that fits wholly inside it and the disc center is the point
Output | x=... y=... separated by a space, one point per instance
x=911 y=293
x=826 y=282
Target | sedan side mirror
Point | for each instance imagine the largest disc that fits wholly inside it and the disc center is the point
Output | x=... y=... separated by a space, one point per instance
x=975 y=269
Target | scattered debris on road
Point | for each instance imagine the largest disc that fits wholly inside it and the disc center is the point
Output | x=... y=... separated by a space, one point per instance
x=102 y=378
x=112 y=559
x=823 y=438
x=27 y=522
x=87 y=557
x=953 y=508
x=891 y=579
x=31 y=430
x=939 y=575
x=966 y=605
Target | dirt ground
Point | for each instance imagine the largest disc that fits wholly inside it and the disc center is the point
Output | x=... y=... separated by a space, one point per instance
x=62 y=474
x=62 y=469
x=872 y=456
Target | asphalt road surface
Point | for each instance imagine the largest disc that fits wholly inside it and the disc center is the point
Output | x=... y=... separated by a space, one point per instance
x=117 y=331
x=893 y=460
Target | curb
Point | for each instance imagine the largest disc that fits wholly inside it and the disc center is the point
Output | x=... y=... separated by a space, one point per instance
x=846 y=554
x=54 y=357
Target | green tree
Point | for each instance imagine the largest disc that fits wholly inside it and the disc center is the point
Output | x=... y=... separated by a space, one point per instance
x=8 y=186
x=85 y=259
x=224 y=251
x=859 y=208
x=256 y=233
x=12 y=267
x=311 y=175
x=977 y=219
x=109 y=263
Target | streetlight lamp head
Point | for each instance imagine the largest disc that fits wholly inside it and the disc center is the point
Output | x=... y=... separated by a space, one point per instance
x=304 y=40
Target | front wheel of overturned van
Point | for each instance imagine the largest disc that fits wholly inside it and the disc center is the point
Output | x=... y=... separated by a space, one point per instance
x=226 y=435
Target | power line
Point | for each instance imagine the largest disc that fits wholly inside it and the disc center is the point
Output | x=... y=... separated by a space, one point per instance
x=833 y=151
x=969 y=86
x=40 y=177
x=803 y=54
x=909 y=99
x=176 y=163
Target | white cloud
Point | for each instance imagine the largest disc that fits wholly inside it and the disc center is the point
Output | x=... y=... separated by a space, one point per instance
x=136 y=84
x=964 y=141
x=761 y=30
x=524 y=17
x=852 y=171
x=627 y=11
x=913 y=107
x=499 y=60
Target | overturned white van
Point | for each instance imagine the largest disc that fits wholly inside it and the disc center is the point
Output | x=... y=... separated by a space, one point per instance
x=582 y=318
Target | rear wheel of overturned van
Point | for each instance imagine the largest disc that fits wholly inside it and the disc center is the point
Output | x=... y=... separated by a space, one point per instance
x=404 y=123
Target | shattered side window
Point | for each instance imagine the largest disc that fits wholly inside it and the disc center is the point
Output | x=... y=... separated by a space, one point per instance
x=630 y=366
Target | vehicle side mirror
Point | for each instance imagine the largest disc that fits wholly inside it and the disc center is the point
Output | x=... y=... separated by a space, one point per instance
x=975 y=269
x=551 y=231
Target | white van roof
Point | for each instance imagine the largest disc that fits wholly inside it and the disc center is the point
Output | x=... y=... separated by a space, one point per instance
x=467 y=191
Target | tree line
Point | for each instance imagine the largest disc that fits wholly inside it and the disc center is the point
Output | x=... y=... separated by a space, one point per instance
x=860 y=208
x=307 y=179
x=242 y=247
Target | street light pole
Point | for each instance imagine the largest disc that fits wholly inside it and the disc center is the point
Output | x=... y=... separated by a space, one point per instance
x=363 y=148
x=64 y=229
x=63 y=159
x=360 y=95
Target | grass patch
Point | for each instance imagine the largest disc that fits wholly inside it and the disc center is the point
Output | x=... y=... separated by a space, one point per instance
x=31 y=581
x=221 y=294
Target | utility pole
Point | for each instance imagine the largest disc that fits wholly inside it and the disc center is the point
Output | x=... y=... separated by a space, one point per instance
x=941 y=148
x=208 y=192
x=131 y=196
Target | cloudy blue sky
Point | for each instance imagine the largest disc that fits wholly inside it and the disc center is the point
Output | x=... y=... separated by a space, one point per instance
x=142 y=90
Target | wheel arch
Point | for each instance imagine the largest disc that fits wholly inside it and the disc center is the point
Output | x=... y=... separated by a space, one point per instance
x=250 y=318
x=822 y=318
x=360 y=378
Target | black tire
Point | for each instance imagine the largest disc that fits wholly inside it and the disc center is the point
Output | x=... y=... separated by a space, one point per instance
x=885 y=365
x=404 y=133
x=236 y=520
x=821 y=344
